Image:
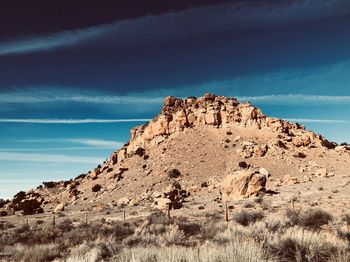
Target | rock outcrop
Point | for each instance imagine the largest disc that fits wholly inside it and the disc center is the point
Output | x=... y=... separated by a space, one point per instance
x=243 y=184
x=27 y=203
x=218 y=111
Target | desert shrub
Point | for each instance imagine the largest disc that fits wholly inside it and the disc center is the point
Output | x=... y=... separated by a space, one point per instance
x=37 y=253
x=172 y=236
x=211 y=228
x=65 y=233
x=259 y=200
x=189 y=228
x=158 y=217
x=49 y=184
x=28 y=235
x=240 y=250
x=311 y=218
x=156 y=234
x=246 y=218
x=96 y=188
x=174 y=173
x=81 y=176
x=298 y=244
x=344 y=235
x=65 y=225
x=346 y=219
x=110 y=169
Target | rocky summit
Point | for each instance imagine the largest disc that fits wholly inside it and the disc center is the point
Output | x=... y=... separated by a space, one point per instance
x=196 y=154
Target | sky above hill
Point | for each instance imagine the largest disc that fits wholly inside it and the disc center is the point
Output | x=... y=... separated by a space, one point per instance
x=75 y=76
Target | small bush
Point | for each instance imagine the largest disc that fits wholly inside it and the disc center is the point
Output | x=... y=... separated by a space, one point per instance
x=298 y=244
x=312 y=218
x=246 y=218
x=37 y=253
x=96 y=188
x=346 y=219
x=174 y=173
x=188 y=228
x=158 y=217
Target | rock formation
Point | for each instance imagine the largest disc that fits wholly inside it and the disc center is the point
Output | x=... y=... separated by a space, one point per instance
x=208 y=145
x=218 y=111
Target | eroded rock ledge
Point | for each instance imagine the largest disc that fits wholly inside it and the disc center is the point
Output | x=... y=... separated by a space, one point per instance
x=217 y=111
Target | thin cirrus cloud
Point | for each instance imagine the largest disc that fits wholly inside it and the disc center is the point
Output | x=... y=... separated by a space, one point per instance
x=88 y=142
x=69 y=121
x=190 y=22
x=321 y=121
x=54 y=149
x=93 y=143
x=69 y=95
x=52 y=158
x=297 y=99
x=30 y=97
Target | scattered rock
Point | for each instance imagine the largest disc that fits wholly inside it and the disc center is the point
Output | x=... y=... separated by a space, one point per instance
x=243 y=164
x=59 y=208
x=96 y=188
x=299 y=155
x=322 y=172
x=123 y=202
x=174 y=173
x=140 y=151
x=291 y=180
x=204 y=184
x=162 y=203
x=99 y=207
x=264 y=172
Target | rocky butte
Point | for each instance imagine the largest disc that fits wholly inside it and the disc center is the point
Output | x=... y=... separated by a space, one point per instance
x=198 y=152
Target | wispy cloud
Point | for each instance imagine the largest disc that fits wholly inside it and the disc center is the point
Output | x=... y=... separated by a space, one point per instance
x=56 y=148
x=52 y=158
x=297 y=99
x=56 y=94
x=94 y=143
x=195 y=21
x=321 y=121
x=69 y=121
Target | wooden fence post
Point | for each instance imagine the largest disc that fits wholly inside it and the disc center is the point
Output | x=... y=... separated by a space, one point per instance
x=27 y=222
x=86 y=221
x=226 y=212
x=168 y=209
x=124 y=215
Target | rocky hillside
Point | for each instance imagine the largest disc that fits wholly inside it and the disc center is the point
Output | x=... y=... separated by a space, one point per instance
x=212 y=147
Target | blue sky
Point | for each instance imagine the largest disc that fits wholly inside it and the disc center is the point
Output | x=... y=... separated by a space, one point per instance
x=69 y=98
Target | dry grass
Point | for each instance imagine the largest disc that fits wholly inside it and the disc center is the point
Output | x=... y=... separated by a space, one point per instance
x=246 y=218
x=312 y=219
x=37 y=253
x=158 y=238
x=298 y=244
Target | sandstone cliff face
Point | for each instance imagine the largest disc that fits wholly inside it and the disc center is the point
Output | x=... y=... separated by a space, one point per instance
x=217 y=111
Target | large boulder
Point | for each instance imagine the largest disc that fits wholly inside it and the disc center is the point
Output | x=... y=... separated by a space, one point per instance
x=242 y=184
